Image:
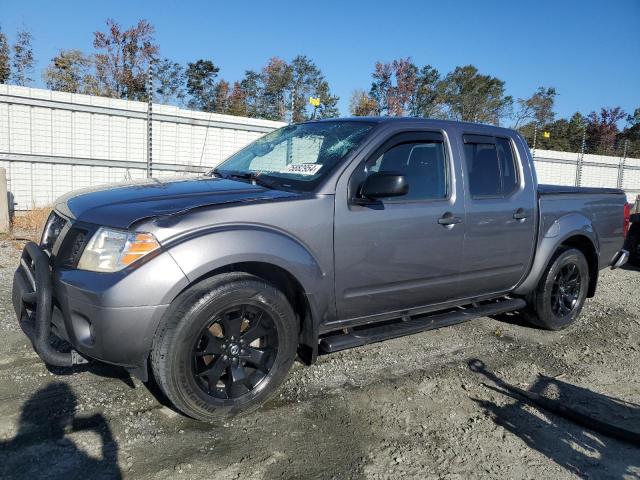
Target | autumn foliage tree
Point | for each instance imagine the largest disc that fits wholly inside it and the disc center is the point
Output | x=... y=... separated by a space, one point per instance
x=538 y=108
x=362 y=105
x=22 y=60
x=602 y=128
x=71 y=71
x=123 y=58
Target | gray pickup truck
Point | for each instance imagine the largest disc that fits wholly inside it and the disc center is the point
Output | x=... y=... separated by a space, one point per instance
x=315 y=238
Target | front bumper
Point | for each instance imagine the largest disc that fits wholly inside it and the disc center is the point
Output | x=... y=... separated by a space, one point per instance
x=113 y=334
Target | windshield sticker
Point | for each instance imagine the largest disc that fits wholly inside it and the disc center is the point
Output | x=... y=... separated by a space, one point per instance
x=302 y=168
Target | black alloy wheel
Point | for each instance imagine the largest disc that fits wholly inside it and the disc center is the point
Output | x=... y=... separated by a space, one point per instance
x=561 y=291
x=224 y=346
x=235 y=352
x=565 y=291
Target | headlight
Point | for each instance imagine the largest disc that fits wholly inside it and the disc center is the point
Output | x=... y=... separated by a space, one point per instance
x=112 y=250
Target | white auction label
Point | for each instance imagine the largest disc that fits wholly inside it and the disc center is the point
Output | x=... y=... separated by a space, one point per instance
x=302 y=168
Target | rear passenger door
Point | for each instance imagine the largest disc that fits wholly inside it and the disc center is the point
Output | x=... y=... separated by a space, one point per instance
x=500 y=223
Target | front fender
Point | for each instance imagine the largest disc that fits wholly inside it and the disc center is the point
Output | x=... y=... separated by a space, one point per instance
x=553 y=233
x=200 y=253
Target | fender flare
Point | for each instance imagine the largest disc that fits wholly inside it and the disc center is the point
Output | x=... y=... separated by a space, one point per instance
x=558 y=232
x=200 y=253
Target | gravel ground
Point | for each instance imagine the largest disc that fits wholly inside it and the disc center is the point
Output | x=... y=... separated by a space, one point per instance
x=406 y=408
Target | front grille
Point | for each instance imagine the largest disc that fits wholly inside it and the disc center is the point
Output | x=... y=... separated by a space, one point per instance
x=72 y=247
x=52 y=230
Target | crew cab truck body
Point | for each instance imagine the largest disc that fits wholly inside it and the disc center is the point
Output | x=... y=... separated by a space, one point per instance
x=317 y=237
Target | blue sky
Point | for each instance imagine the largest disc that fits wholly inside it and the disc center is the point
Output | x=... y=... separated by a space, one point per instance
x=589 y=50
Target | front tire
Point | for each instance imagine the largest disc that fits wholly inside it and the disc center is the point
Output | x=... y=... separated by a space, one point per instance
x=224 y=346
x=561 y=292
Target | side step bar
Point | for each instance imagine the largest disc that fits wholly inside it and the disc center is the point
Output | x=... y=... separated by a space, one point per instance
x=398 y=328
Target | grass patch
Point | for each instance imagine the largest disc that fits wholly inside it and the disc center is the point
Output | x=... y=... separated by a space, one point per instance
x=30 y=223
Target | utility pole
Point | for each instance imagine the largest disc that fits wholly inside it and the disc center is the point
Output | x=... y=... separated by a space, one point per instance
x=581 y=158
x=150 y=120
x=623 y=160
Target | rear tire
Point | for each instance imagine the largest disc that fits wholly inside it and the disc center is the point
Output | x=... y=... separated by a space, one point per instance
x=224 y=346
x=561 y=292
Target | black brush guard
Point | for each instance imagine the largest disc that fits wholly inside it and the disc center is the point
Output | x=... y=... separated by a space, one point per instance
x=32 y=302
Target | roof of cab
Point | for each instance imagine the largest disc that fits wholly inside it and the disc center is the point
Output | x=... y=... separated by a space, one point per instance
x=426 y=121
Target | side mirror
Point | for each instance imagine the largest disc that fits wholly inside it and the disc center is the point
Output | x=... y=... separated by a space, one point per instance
x=383 y=184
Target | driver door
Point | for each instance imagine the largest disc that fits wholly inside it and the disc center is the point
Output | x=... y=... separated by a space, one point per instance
x=402 y=252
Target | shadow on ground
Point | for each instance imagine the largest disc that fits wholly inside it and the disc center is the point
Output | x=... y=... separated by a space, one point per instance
x=579 y=450
x=42 y=447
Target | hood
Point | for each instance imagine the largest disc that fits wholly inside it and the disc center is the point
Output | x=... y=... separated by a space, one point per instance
x=121 y=205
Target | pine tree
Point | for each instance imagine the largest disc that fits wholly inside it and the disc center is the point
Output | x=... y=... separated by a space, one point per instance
x=5 y=68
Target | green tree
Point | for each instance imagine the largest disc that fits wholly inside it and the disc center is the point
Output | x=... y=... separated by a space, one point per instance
x=169 y=81
x=71 y=71
x=22 y=61
x=564 y=135
x=252 y=88
x=305 y=78
x=277 y=78
x=5 y=68
x=538 y=107
x=308 y=81
x=280 y=89
x=631 y=134
x=470 y=96
x=427 y=99
x=201 y=85
x=123 y=59
x=328 y=102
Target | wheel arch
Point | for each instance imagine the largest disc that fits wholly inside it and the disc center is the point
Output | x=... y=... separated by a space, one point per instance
x=572 y=230
x=292 y=288
x=305 y=275
x=585 y=245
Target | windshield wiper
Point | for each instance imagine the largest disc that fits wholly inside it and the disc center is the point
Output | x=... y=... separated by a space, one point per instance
x=255 y=178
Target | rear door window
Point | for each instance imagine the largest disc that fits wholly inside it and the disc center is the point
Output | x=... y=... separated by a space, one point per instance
x=491 y=167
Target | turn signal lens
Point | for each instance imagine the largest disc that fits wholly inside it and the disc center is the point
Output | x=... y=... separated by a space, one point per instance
x=142 y=244
x=112 y=250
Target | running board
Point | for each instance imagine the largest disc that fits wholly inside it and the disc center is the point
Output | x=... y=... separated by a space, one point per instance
x=360 y=336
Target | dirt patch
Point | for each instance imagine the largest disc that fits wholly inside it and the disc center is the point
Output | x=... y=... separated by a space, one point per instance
x=406 y=408
x=29 y=224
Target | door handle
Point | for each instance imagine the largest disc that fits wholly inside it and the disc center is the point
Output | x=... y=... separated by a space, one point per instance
x=520 y=214
x=449 y=220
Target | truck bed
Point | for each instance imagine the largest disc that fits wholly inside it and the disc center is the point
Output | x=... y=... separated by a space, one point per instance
x=603 y=209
